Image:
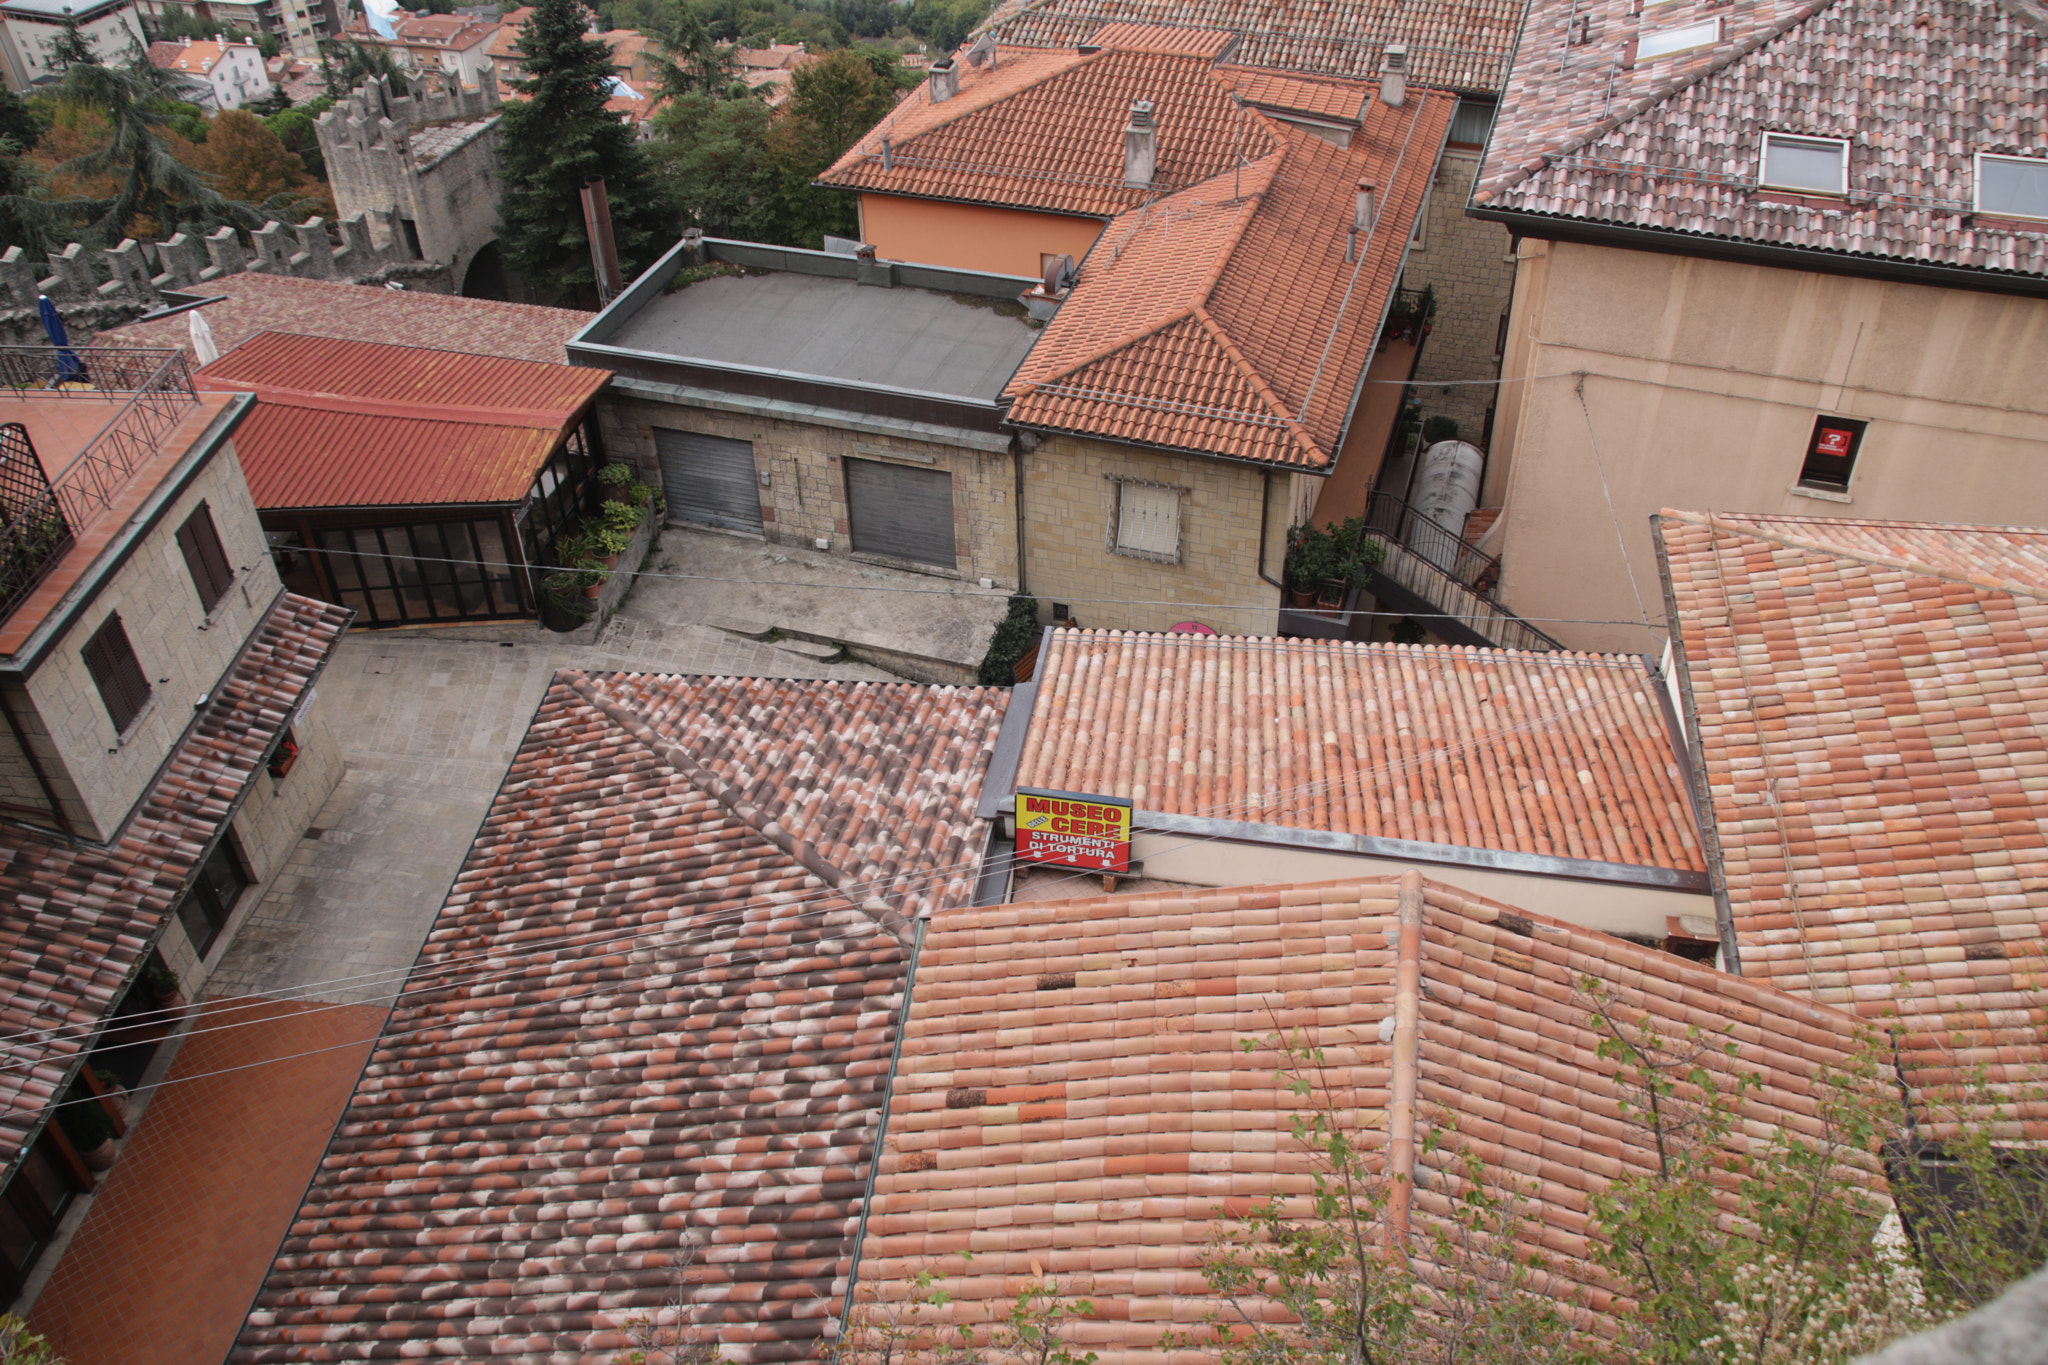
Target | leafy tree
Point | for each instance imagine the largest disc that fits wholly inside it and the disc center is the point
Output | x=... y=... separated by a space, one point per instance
x=945 y=24
x=346 y=64
x=249 y=161
x=297 y=129
x=714 y=155
x=832 y=102
x=695 y=60
x=558 y=138
x=20 y=123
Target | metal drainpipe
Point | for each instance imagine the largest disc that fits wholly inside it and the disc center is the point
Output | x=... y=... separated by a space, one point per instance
x=867 y=1203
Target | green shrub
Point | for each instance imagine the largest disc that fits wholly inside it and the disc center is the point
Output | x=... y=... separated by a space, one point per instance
x=1439 y=429
x=87 y=1125
x=1015 y=634
x=622 y=516
x=615 y=474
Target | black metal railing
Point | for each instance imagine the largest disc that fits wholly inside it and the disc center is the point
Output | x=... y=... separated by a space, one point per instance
x=151 y=391
x=1447 y=556
x=34 y=532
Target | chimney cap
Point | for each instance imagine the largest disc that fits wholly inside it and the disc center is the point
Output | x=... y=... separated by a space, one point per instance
x=1141 y=112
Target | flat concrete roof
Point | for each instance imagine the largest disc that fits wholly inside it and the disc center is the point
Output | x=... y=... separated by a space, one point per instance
x=897 y=338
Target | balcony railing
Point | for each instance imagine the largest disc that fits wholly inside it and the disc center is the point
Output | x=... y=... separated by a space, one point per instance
x=148 y=389
x=1451 y=583
x=34 y=533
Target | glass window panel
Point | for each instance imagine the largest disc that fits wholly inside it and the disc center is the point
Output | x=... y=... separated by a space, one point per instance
x=2012 y=185
x=1664 y=42
x=1804 y=164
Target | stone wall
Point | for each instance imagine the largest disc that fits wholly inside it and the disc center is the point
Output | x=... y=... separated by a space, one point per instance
x=424 y=162
x=805 y=496
x=98 y=772
x=94 y=290
x=1069 y=492
x=1466 y=260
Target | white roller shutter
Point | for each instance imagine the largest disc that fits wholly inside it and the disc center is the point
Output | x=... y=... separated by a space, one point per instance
x=709 y=480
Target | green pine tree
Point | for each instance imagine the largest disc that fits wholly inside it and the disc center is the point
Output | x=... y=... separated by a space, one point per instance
x=558 y=138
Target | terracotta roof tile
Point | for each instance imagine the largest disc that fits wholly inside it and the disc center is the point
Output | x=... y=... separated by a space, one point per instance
x=1271 y=90
x=1676 y=144
x=255 y=303
x=1098 y=1128
x=1225 y=319
x=1559 y=754
x=687 y=1040
x=1452 y=44
x=76 y=922
x=1872 y=701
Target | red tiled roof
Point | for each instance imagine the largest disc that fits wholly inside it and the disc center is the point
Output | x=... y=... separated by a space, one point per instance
x=255 y=303
x=1872 y=702
x=1560 y=754
x=695 y=891
x=1072 y=1096
x=1452 y=44
x=356 y=424
x=1676 y=144
x=1225 y=319
x=76 y=922
x=1043 y=130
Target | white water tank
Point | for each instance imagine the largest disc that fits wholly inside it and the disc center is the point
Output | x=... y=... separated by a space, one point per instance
x=1447 y=487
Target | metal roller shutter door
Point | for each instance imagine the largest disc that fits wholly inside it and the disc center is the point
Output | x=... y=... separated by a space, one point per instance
x=708 y=479
x=901 y=512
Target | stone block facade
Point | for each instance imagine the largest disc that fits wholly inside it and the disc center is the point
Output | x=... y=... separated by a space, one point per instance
x=804 y=498
x=98 y=772
x=1470 y=264
x=1070 y=492
x=424 y=161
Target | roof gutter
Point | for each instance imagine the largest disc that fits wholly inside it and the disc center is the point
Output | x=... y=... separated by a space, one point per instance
x=1556 y=228
x=1407 y=1061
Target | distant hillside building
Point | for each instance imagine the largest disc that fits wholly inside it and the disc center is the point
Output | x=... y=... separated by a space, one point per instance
x=232 y=72
x=28 y=28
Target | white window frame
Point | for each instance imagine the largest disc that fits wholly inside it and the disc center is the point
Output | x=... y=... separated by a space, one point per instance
x=1764 y=161
x=1680 y=37
x=1977 y=183
x=1119 y=487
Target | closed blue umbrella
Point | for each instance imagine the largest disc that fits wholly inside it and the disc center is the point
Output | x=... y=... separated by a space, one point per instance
x=70 y=369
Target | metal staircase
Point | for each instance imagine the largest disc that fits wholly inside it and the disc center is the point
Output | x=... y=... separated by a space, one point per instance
x=1433 y=576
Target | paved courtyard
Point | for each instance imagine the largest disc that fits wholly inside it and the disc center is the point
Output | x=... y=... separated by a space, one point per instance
x=427 y=727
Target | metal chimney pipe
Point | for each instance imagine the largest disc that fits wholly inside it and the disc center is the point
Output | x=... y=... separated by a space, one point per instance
x=604 y=252
x=1141 y=146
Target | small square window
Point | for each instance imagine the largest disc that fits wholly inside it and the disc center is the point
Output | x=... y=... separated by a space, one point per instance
x=1145 y=521
x=2012 y=185
x=1831 y=453
x=1817 y=165
x=1684 y=38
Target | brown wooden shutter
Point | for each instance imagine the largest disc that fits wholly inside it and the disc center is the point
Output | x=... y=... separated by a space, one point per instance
x=204 y=558
x=117 y=673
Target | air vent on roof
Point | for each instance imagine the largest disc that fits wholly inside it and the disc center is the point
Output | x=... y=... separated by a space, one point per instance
x=1088 y=49
x=1141 y=146
x=1394 y=75
x=945 y=80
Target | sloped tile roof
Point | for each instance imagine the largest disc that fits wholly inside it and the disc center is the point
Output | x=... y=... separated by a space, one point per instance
x=1872 y=701
x=1272 y=90
x=693 y=896
x=1043 y=130
x=1072 y=1096
x=356 y=424
x=1452 y=44
x=255 y=303
x=1560 y=754
x=76 y=922
x=1676 y=144
x=1225 y=319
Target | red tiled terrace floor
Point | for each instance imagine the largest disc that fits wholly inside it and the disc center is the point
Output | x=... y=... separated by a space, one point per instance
x=186 y=1224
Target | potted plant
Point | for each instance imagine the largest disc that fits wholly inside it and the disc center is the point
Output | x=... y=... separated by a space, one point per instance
x=616 y=479
x=161 y=983
x=112 y=1091
x=562 y=604
x=1308 y=561
x=90 y=1130
x=609 y=543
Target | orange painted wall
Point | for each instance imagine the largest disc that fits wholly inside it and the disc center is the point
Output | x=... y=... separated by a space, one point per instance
x=971 y=236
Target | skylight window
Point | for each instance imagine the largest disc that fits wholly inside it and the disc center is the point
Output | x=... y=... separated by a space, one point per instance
x=2012 y=185
x=1685 y=37
x=1818 y=165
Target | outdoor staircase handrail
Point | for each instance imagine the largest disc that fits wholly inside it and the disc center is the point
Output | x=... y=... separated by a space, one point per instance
x=1445 y=554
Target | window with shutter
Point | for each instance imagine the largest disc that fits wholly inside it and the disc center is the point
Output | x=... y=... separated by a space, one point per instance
x=117 y=673
x=1145 y=521
x=204 y=558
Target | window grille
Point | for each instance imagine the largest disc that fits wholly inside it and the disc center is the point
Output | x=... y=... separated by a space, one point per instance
x=1145 y=520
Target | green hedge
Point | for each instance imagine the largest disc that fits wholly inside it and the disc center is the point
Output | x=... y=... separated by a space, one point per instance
x=1014 y=637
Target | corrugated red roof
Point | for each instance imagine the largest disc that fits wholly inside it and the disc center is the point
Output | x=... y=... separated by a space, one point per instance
x=360 y=424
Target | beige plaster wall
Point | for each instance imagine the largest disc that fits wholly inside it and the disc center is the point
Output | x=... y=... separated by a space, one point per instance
x=1605 y=906
x=1471 y=264
x=806 y=493
x=1067 y=506
x=971 y=236
x=99 y=772
x=1702 y=380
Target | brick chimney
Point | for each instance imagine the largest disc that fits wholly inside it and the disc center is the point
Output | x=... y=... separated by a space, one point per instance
x=945 y=80
x=1394 y=75
x=1141 y=146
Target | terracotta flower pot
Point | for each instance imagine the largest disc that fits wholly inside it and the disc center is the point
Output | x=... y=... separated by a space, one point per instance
x=1301 y=599
x=594 y=589
x=100 y=1158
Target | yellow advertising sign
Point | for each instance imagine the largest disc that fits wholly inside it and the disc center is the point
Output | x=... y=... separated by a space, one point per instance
x=1074 y=829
